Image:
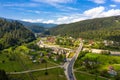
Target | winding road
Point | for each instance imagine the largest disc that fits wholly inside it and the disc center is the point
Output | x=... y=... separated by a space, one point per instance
x=69 y=65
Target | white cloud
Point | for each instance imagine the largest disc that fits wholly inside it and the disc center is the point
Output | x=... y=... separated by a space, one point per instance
x=89 y=14
x=98 y=1
x=38 y=21
x=49 y=21
x=54 y=1
x=58 y=4
x=74 y=17
x=111 y=12
x=112 y=5
x=21 y=4
x=94 y=12
x=33 y=20
x=62 y=18
x=116 y=0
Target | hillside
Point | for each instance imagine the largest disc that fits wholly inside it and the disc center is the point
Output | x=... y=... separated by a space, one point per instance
x=13 y=33
x=99 y=28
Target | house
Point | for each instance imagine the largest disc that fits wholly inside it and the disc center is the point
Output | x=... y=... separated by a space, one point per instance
x=107 y=43
x=41 y=54
x=91 y=42
x=111 y=71
x=34 y=61
x=51 y=39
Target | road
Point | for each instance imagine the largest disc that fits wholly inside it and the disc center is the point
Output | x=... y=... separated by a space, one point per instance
x=69 y=65
x=42 y=44
x=35 y=70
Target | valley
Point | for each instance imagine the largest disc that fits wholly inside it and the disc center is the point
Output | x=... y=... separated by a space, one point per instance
x=64 y=53
x=46 y=56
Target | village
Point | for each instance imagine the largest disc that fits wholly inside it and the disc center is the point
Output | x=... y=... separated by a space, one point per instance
x=55 y=51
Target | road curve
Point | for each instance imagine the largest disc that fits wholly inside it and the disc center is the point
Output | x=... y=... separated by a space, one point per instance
x=70 y=73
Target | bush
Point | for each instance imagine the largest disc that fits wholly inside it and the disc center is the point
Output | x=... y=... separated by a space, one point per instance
x=104 y=73
x=117 y=77
x=3 y=61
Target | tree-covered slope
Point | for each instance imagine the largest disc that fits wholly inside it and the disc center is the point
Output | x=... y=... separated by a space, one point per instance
x=99 y=28
x=13 y=33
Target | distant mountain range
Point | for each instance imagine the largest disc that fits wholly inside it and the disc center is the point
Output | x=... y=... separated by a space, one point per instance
x=107 y=28
x=45 y=25
x=37 y=27
x=34 y=27
x=100 y=28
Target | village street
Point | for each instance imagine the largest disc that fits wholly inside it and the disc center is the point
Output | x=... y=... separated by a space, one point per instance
x=68 y=65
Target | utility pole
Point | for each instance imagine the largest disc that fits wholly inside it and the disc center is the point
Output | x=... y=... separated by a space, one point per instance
x=46 y=72
x=57 y=74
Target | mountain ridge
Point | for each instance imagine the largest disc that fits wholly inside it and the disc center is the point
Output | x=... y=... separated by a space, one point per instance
x=98 y=28
x=34 y=27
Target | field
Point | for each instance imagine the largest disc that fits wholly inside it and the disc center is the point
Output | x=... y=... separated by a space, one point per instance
x=97 y=64
x=25 y=57
x=18 y=62
x=84 y=76
x=53 y=74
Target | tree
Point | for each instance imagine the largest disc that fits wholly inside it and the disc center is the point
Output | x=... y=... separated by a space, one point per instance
x=117 y=77
x=3 y=75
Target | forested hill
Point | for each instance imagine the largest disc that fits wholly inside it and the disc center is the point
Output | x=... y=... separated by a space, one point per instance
x=13 y=33
x=99 y=28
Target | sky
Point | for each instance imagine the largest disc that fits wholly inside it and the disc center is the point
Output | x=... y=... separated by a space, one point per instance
x=58 y=11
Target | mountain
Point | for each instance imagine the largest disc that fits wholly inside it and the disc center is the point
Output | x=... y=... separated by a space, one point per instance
x=45 y=25
x=13 y=33
x=99 y=28
x=34 y=27
x=37 y=27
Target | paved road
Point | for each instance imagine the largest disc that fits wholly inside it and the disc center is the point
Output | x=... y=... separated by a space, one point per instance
x=69 y=65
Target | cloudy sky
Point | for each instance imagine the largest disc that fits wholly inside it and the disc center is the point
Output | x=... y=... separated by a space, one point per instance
x=58 y=11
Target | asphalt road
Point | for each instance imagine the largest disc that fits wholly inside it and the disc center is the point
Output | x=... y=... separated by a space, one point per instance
x=70 y=73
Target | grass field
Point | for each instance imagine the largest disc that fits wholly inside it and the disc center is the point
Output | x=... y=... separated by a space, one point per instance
x=83 y=76
x=97 y=64
x=19 y=60
x=20 y=64
x=53 y=74
x=9 y=65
